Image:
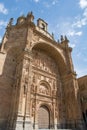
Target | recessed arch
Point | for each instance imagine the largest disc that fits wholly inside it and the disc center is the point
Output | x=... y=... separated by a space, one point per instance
x=45 y=104
x=44 y=83
x=45 y=117
x=54 y=52
x=44 y=88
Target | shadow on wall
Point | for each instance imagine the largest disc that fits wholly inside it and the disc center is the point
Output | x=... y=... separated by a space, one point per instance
x=9 y=92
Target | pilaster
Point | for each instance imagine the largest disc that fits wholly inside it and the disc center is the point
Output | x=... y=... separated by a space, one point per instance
x=67 y=53
x=73 y=109
x=25 y=90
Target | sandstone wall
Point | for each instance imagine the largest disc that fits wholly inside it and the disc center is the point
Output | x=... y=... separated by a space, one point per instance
x=12 y=49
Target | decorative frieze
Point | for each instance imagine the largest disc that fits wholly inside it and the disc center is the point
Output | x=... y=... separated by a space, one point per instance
x=43 y=62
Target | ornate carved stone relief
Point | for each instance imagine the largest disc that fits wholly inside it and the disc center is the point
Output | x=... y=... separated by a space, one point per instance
x=44 y=82
x=33 y=107
x=44 y=90
x=44 y=62
x=33 y=88
x=56 y=112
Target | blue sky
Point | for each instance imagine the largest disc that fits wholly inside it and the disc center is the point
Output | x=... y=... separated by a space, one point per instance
x=64 y=17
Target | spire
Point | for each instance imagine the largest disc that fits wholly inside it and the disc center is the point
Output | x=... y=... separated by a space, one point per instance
x=64 y=39
x=52 y=35
x=30 y=16
x=10 y=22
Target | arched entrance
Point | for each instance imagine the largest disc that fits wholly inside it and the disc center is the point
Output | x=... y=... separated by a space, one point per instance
x=43 y=118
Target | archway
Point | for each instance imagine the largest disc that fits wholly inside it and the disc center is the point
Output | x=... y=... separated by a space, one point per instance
x=43 y=118
x=54 y=52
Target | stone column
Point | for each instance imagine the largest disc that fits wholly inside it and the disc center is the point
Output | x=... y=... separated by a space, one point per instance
x=55 y=109
x=73 y=108
x=60 y=104
x=15 y=97
x=23 y=115
x=35 y=116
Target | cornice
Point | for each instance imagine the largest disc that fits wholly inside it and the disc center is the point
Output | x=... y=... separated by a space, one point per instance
x=43 y=34
x=44 y=73
x=22 y=25
x=42 y=95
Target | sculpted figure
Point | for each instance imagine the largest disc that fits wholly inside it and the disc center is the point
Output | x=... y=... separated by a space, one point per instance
x=10 y=22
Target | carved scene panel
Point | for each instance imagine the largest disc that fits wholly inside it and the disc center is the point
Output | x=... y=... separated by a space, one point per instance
x=44 y=62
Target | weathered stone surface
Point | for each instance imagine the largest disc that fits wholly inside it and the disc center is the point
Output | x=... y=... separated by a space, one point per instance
x=37 y=78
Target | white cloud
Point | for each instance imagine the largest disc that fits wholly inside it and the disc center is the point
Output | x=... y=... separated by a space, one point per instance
x=85 y=59
x=83 y=3
x=68 y=29
x=85 y=13
x=72 y=45
x=79 y=54
x=80 y=22
x=2 y=23
x=36 y=1
x=72 y=28
x=81 y=72
x=74 y=33
x=71 y=33
x=3 y=9
x=50 y=3
x=0 y=38
x=54 y=2
x=46 y=4
x=78 y=33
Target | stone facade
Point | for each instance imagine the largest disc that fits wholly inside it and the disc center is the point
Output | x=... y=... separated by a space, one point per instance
x=83 y=95
x=38 y=84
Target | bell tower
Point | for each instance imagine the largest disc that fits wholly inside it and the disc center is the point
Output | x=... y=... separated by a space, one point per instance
x=42 y=24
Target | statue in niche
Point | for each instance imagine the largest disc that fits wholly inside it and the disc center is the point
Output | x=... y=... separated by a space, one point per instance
x=56 y=112
x=47 y=92
x=39 y=76
x=25 y=89
x=50 y=81
x=62 y=39
x=54 y=84
x=26 y=79
x=10 y=22
x=43 y=90
x=33 y=107
x=44 y=78
x=54 y=92
x=17 y=84
x=34 y=78
x=27 y=67
x=33 y=88
x=66 y=38
x=38 y=62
